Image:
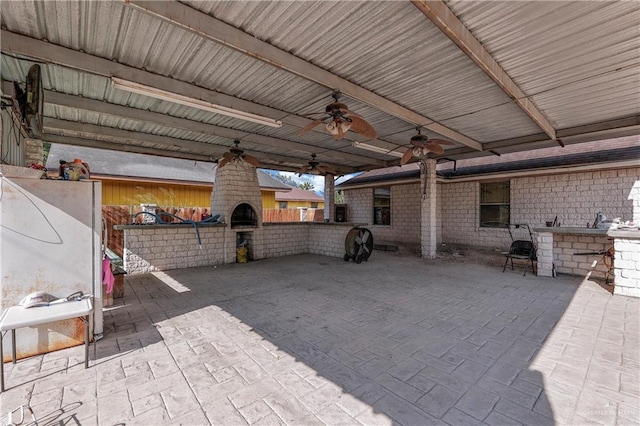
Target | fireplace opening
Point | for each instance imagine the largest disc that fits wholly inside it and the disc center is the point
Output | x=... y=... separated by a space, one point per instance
x=244 y=216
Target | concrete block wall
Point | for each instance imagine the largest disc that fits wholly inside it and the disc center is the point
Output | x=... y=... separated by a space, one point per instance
x=328 y=240
x=34 y=151
x=284 y=239
x=565 y=247
x=159 y=248
x=172 y=247
x=574 y=197
x=405 y=212
x=359 y=205
x=627 y=267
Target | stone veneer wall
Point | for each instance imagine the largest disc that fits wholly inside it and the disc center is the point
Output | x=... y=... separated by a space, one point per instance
x=151 y=248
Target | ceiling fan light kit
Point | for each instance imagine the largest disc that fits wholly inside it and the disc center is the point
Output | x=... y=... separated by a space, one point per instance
x=421 y=146
x=235 y=155
x=315 y=168
x=156 y=93
x=341 y=120
x=337 y=127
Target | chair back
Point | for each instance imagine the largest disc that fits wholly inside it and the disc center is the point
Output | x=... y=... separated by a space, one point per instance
x=522 y=248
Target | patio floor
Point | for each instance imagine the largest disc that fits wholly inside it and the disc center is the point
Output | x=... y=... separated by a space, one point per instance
x=313 y=340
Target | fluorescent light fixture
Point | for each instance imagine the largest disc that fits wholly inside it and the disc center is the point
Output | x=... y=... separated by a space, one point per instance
x=377 y=149
x=153 y=92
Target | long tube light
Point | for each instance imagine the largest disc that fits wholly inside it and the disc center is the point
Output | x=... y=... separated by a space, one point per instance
x=153 y=92
x=377 y=149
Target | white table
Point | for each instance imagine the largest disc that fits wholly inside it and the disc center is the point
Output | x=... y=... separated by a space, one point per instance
x=18 y=317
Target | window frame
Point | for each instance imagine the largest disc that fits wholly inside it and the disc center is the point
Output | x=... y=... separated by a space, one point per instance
x=494 y=208
x=283 y=204
x=385 y=210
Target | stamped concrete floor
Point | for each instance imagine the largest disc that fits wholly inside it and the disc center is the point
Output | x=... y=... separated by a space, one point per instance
x=309 y=340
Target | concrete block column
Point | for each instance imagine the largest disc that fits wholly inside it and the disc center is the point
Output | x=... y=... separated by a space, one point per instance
x=627 y=267
x=544 y=243
x=329 y=197
x=428 y=208
x=634 y=195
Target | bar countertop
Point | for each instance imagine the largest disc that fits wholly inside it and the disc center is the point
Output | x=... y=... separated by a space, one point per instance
x=615 y=233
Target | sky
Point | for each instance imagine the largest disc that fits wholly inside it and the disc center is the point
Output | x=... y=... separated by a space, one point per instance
x=315 y=180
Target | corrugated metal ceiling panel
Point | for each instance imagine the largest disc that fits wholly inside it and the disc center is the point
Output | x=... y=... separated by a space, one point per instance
x=422 y=70
x=564 y=52
x=567 y=57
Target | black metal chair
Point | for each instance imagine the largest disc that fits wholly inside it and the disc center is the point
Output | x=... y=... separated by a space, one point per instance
x=521 y=250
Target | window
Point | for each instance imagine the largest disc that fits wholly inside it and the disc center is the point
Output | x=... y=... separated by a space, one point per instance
x=314 y=205
x=382 y=206
x=494 y=204
x=283 y=204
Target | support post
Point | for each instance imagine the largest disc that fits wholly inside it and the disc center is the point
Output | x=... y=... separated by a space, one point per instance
x=428 y=208
x=329 y=197
x=86 y=341
x=1 y=363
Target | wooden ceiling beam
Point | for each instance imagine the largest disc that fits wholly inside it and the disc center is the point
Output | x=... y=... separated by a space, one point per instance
x=442 y=17
x=206 y=26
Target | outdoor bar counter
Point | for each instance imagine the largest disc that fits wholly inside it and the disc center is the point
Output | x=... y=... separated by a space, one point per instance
x=557 y=246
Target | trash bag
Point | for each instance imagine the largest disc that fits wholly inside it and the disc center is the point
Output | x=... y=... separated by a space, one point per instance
x=241 y=254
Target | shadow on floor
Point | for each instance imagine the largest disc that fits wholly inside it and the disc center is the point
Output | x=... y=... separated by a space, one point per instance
x=405 y=341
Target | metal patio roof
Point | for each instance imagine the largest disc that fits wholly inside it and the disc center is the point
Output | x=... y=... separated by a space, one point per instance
x=492 y=77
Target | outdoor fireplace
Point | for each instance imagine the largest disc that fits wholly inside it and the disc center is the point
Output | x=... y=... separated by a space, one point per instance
x=237 y=198
x=244 y=216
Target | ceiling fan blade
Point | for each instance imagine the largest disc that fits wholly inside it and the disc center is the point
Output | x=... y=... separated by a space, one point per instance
x=228 y=156
x=327 y=169
x=309 y=126
x=251 y=160
x=406 y=156
x=441 y=142
x=434 y=147
x=303 y=170
x=360 y=125
x=222 y=162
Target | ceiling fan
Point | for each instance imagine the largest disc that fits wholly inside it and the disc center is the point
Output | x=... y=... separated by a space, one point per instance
x=339 y=119
x=315 y=168
x=421 y=145
x=235 y=155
